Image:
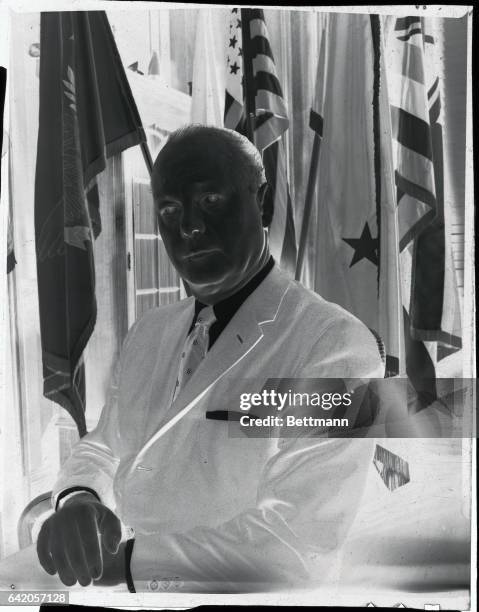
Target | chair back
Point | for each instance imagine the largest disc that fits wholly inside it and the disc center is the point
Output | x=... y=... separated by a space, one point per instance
x=29 y=518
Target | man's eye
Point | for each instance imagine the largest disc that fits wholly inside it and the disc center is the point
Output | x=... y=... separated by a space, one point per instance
x=168 y=211
x=210 y=199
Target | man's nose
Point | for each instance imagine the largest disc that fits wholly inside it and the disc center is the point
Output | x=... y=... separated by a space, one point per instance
x=192 y=224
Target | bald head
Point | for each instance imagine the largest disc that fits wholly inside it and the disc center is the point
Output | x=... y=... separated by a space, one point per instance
x=238 y=157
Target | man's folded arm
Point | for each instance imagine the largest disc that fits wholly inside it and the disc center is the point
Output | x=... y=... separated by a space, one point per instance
x=94 y=459
x=307 y=498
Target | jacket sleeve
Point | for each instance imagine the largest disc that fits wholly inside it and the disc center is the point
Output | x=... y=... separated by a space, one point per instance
x=95 y=458
x=306 y=501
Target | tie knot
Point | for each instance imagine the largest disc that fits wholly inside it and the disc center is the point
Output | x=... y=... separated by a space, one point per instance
x=206 y=317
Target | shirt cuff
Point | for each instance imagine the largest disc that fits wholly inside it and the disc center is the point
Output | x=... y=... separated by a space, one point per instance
x=128 y=552
x=72 y=491
x=152 y=566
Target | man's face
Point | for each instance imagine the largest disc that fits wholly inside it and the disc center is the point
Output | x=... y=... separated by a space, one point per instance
x=209 y=215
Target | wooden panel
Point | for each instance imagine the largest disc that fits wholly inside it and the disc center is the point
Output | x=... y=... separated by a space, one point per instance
x=145 y=302
x=169 y=296
x=168 y=275
x=153 y=269
x=146 y=263
x=145 y=215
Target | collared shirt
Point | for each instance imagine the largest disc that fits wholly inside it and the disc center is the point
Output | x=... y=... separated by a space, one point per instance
x=226 y=309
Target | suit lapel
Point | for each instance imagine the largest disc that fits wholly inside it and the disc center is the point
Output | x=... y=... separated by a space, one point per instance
x=242 y=335
x=238 y=338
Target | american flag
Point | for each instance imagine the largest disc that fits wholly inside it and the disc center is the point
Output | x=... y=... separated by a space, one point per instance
x=255 y=107
x=234 y=115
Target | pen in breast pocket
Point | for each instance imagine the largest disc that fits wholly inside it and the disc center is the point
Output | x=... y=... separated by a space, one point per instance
x=226 y=415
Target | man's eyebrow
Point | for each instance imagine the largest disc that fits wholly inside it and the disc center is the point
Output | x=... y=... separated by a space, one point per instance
x=208 y=183
x=205 y=183
x=158 y=197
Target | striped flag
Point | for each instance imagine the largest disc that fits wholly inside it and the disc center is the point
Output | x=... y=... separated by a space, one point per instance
x=254 y=106
x=234 y=118
x=429 y=292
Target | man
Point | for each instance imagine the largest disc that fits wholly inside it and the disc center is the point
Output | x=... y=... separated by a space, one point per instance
x=210 y=507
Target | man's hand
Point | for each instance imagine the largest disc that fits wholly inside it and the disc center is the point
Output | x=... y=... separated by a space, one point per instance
x=80 y=540
x=113 y=567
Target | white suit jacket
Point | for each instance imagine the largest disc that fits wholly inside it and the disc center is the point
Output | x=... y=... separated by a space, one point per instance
x=211 y=511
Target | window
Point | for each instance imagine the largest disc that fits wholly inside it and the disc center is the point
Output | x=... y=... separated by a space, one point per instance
x=156 y=281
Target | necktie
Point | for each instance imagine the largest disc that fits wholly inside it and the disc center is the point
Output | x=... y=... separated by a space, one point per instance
x=195 y=348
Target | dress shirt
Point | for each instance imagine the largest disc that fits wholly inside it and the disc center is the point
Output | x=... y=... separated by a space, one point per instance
x=225 y=310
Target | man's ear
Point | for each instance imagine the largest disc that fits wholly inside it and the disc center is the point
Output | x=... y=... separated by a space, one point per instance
x=266 y=204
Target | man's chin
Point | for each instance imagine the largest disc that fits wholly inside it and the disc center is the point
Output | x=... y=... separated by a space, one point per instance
x=209 y=269
x=205 y=278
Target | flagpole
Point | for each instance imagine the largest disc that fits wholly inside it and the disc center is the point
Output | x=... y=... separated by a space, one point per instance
x=375 y=36
x=308 y=205
x=147 y=157
x=248 y=85
x=316 y=124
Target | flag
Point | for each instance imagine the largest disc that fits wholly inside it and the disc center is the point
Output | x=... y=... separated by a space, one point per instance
x=429 y=292
x=207 y=103
x=87 y=114
x=351 y=180
x=380 y=245
x=255 y=107
x=316 y=120
x=358 y=259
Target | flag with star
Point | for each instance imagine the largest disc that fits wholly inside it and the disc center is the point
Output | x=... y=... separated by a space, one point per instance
x=255 y=107
x=350 y=187
x=87 y=114
x=378 y=191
